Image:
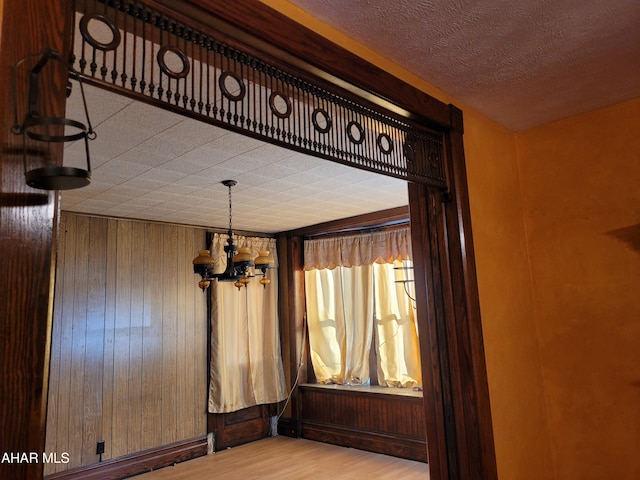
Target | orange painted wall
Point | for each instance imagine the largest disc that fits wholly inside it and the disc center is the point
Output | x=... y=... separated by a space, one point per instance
x=516 y=387
x=581 y=196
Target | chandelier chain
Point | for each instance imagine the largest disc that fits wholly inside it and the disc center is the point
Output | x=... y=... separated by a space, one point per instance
x=230 y=230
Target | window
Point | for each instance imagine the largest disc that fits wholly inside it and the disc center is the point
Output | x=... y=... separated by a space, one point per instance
x=355 y=307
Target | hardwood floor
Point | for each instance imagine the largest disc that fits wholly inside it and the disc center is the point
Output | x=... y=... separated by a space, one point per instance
x=286 y=458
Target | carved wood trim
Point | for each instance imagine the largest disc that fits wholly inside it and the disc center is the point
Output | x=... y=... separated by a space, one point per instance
x=215 y=80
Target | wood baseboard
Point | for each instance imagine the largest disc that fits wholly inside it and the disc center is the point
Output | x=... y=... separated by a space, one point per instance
x=137 y=463
x=288 y=427
x=403 y=447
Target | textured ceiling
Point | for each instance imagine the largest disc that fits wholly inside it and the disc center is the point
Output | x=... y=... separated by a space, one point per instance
x=152 y=164
x=520 y=62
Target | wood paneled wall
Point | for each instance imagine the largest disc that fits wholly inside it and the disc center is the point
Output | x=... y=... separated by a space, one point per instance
x=378 y=422
x=128 y=356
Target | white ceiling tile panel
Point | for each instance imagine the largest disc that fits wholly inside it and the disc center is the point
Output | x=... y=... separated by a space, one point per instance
x=120 y=168
x=231 y=144
x=206 y=155
x=143 y=156
x=125 y=191
x=162 y=175
x=182 y=164
x=143 y=183
x=143 y=202
x=182 y=190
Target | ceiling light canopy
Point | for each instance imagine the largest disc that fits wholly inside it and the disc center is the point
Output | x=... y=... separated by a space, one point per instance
x=239 y=260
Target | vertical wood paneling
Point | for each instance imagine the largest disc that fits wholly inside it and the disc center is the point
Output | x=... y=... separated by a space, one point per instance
x=152 y=340
x=136 y=337
x=108 y=379
x=184 y=394
x=95 y=338
x=129 y=353
x=65 y=306
x=190 y=368
x=380 y=422
x=121 y=398
x=78 y=340
x=169 y=327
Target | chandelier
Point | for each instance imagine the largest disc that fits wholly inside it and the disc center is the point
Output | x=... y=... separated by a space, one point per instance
x=239 y=261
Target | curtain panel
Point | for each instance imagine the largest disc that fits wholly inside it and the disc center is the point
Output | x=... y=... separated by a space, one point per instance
x=383 y=246
x=339 y=312
x=246 y=362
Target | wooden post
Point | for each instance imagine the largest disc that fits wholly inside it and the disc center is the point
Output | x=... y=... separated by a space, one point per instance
x=27 y=229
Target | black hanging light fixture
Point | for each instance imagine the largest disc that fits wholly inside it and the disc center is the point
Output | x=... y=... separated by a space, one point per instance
x=239 y=260
x=37 y=126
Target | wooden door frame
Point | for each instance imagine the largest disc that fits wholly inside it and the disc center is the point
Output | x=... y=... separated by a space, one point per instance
x=459 y=427
x=457 y=404
x=28 y=222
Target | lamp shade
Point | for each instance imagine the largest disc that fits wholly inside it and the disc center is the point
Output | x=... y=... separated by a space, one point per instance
x=264 y=261
x=204 y=264
x=243 y=259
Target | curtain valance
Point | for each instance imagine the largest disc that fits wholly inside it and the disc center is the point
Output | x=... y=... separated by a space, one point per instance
x=383 y=246
x=255 y=244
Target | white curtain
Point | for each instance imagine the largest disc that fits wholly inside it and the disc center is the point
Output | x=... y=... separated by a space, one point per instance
x=246 y=362
x=397 y=347
x=354 y=301
x=339 y=312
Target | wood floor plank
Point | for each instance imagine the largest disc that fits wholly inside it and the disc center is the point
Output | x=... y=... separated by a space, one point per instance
x=286 y=458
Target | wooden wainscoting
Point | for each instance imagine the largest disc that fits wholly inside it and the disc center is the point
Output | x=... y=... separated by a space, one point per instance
x=129 y=343
x=243 y=426
x=356 y=417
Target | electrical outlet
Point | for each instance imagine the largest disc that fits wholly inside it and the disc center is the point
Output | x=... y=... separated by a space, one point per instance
x=100 y=448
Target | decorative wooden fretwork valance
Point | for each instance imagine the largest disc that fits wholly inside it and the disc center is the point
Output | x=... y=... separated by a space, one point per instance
x=129 y=47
